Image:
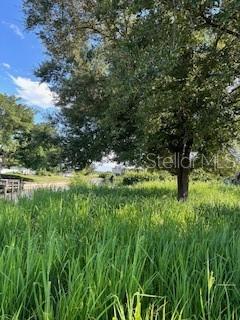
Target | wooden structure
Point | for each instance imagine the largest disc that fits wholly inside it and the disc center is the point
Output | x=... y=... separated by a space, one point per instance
x=10 y=186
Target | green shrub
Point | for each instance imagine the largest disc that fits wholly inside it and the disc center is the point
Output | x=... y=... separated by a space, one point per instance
x=80 y=179
x=86 y=171
x=132 y=177
x=202 y=175
x=105 y=175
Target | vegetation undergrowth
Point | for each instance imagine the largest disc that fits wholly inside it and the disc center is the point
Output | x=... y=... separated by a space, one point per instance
x=123 y=253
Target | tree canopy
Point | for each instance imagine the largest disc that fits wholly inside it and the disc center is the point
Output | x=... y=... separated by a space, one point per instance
x=22 y=142
x=144 y=77
x=39 y=148
x=16 y=120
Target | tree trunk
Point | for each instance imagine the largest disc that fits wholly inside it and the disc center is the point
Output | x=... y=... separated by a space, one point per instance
x=183 y=171
x=183 y=183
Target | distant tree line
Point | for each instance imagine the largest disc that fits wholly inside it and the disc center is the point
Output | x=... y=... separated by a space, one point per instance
x=23 y=142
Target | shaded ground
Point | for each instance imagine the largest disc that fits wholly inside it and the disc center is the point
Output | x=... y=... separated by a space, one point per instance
x=45 y=185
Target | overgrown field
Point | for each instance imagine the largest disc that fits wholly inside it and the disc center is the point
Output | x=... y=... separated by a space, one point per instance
x=125 y=253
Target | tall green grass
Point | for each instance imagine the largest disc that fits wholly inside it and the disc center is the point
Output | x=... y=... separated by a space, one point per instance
x=125 y=253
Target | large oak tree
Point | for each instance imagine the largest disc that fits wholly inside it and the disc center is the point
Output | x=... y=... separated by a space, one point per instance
x=157 y=74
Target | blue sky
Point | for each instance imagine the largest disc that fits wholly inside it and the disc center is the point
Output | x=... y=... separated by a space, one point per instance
x=20 y=54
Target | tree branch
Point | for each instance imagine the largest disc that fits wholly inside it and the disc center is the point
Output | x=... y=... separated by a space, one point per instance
x=213 y=24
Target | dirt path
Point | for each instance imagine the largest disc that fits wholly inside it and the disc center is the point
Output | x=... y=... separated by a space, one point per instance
x=28 y=186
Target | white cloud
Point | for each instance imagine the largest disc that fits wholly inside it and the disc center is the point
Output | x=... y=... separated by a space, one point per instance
x=6 y=65
x=15 y=29
x=34 y=93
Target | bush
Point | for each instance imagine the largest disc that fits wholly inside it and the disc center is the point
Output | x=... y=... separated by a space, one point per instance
x=80 y=179
x=133 y=177
x=105 y=175
x=87 y=171
x=202 y=175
